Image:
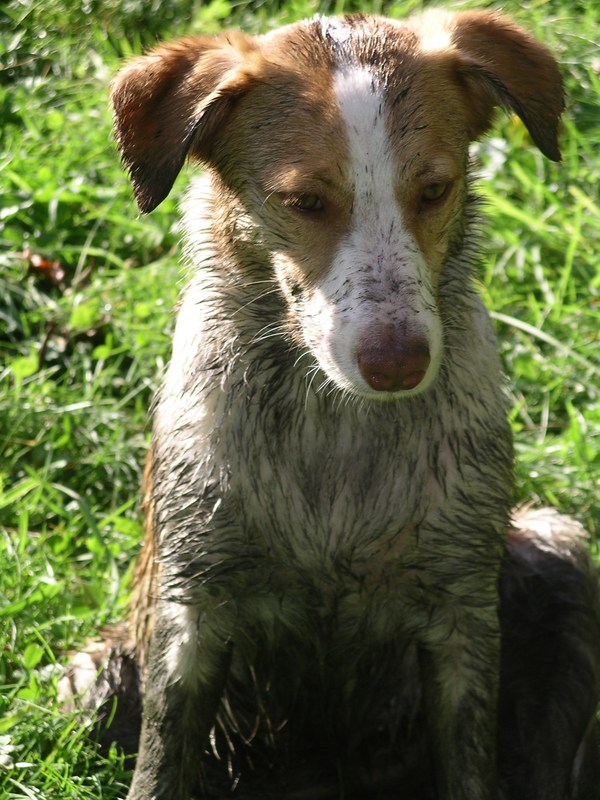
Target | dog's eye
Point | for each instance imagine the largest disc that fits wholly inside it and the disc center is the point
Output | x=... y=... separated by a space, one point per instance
x=434 y=192
x=304 y=202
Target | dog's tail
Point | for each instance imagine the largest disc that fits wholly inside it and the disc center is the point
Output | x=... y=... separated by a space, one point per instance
x=103 y=679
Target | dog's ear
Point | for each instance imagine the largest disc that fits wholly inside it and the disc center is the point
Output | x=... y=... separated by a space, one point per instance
x=170 y=103
x=501 y=64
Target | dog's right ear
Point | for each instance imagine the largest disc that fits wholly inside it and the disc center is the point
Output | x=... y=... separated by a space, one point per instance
x=170 y=103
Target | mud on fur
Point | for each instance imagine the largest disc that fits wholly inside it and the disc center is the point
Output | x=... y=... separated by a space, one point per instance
x=333 y=598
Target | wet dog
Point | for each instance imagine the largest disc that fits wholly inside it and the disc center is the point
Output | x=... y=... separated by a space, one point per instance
x=331 y=593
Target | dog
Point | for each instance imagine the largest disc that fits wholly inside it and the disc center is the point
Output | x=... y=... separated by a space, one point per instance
x=332 y=591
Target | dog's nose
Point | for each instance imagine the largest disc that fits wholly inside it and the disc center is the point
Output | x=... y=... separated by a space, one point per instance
x=390 y=365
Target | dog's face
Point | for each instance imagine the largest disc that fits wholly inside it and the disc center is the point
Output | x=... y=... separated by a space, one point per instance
x=343 y=144
x=354 y=172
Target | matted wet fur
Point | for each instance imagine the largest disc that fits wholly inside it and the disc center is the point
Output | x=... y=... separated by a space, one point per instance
x=331 y=600
x=548 y=748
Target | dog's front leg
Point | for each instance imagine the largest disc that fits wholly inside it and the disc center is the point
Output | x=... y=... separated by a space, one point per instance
x=460 y=667
x=187 y=668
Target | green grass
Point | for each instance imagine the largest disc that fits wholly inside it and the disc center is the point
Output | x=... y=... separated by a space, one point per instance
x=82 y=343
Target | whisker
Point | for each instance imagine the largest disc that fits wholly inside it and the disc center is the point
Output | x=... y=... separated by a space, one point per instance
x=304 y=354
x=314 y=369
x=257 y=297
x=269 y=331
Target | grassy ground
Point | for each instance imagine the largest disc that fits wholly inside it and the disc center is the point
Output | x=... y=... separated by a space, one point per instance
x=86 y=290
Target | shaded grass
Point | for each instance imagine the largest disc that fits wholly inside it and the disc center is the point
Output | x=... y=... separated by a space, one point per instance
x=83 y=342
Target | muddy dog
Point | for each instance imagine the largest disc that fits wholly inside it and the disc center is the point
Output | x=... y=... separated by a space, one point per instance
x=330 y=566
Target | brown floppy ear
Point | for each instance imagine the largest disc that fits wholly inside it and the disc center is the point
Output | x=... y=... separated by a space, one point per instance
x=501 y=64
x=170 y=103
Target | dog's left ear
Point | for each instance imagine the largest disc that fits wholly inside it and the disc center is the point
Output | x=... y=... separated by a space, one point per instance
x=501 y=64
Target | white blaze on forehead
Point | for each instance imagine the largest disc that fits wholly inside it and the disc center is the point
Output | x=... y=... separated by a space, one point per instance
x=379 y=237
x=378 y=278
x=335 y=29
x=361 y=102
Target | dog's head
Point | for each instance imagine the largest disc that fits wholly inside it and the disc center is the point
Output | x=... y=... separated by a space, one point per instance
x=345 y=141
